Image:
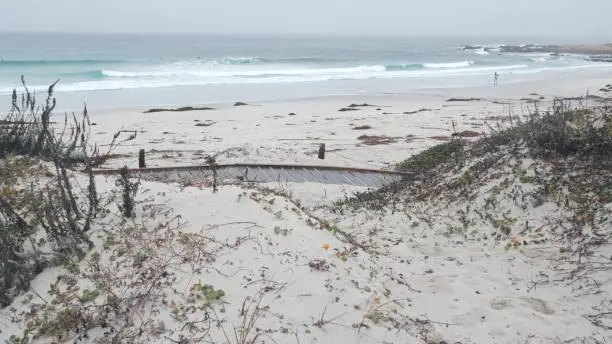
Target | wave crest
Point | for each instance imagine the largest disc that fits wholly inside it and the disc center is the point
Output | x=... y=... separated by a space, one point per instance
x=285 y=76
x=407 y=66
x=461 y=64
x=240 y=60
x=265 y=72
x=439 y=65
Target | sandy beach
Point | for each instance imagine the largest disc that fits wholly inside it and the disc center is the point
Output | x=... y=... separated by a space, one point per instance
x=291 y=131
x=294 y=268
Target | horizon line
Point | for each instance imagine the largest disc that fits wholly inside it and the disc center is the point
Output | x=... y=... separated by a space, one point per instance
x=289 y=34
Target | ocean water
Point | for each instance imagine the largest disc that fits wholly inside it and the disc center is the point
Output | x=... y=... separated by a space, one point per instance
x=109 y=71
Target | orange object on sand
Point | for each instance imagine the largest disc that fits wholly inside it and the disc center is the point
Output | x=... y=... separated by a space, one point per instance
x=326 y=247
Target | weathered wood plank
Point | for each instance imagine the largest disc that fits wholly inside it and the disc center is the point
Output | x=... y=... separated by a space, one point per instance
x=268 y=174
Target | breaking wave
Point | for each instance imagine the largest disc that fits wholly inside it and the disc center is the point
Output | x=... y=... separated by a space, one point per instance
x=194 y=75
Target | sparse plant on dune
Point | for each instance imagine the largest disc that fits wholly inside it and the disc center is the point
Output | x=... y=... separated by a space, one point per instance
x=323 y=321
x=250 y=313
x=561 y=157
x=128 y=192
x=40 y=190
x=567 y=137
x=212 y=163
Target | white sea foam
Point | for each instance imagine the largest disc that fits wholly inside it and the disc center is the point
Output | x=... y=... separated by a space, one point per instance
x=231 y=60
x=197 y=71
x=449 y=64
x=196 y=76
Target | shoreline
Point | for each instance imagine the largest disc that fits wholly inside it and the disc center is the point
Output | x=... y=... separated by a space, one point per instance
x=567 y=82
x=570 y=84
x=395 y=127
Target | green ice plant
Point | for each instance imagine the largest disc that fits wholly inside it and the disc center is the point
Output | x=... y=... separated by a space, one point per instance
x=206 y=293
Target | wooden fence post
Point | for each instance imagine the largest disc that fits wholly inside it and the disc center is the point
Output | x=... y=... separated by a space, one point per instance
x=322 y=151
x=141 y=159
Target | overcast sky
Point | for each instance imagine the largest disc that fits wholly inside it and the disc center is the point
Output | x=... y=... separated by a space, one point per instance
x=377 y=17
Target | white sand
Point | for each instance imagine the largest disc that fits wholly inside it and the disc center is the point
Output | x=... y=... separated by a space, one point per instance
x=265 y=133
x=409 y=284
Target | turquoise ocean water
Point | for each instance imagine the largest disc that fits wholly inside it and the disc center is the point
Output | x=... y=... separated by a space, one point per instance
x=111 y=71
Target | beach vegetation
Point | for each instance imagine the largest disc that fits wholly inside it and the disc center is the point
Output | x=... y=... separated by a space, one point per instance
x=429 y=159
x=206 y=293
x=559 y=159
x=46 y=210
x=19 y=340
x=128 y=192
x=572 y=138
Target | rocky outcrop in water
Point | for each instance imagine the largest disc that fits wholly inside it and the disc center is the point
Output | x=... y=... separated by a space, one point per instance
x=593 y=49
x=600 y=58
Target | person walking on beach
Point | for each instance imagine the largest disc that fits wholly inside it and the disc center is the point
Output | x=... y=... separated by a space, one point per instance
x=495 y=79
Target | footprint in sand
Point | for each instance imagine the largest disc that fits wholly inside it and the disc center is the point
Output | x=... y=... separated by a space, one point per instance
x=500 y=303
x=578 y=340
x=539 y=305
x=540 y=340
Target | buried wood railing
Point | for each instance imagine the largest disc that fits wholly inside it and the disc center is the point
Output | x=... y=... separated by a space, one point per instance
x=253 y=172
x=266 y=173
